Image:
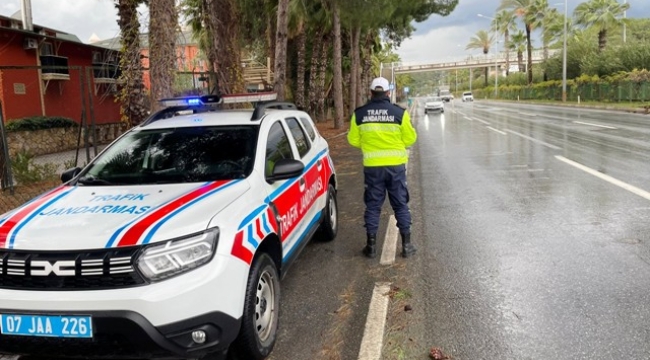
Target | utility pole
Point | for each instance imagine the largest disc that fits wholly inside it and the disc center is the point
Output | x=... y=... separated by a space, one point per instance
x=564 y=52
x=624 y=25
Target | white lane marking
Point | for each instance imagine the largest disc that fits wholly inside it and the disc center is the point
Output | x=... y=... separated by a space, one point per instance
x=493 y=129
x=390 y=243
x=590 y=124
x=468 y=118
x=482 y=121
x=373 y=334
x=527 y=114
x=631 y=188
x=534 y=140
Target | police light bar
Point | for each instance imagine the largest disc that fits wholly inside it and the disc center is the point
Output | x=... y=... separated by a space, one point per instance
x=248 y=98
x=192 y=101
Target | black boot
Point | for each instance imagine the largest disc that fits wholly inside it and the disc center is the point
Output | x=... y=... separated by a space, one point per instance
x=370 y=250
x=408 y=249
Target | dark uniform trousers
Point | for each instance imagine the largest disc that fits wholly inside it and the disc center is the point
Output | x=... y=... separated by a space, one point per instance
x=381 y=179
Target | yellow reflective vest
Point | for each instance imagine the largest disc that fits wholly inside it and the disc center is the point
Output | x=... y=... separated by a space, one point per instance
x=382 y=131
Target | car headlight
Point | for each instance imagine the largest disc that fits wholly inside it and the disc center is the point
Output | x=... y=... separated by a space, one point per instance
x=174 y=257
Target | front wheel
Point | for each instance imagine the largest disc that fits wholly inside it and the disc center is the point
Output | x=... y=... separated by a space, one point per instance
x=261 y=305
x=330 y=224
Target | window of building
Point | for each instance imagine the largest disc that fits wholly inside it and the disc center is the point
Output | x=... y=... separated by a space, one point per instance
x=47 y=49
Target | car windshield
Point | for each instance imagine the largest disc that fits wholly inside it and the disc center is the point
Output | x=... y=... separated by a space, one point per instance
x=176 y=155
x=435 y=99
x=467 y=94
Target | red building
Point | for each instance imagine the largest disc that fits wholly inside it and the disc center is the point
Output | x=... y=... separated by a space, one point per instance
x=73 y=77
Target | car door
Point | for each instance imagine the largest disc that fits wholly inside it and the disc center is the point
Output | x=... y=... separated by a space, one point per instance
x=311 y=185
x=283 y=195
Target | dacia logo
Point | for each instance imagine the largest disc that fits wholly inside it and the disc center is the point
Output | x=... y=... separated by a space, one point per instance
x=59 y=268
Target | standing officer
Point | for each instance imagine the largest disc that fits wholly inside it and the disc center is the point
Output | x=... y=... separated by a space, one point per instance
x=383 y=131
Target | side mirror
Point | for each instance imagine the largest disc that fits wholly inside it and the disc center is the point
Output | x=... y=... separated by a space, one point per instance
x=70 y=174
x=286 y=169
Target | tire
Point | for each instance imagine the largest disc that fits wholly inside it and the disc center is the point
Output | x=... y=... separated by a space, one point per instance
x=261 y=305
x=330 y=225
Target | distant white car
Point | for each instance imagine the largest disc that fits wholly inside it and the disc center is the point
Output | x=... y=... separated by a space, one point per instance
x=467 y=96
x=434 y=104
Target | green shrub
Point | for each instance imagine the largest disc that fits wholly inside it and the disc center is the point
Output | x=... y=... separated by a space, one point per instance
x=40 y=123
x=25 y=172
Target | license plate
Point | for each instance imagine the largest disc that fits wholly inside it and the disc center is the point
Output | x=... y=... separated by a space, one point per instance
x=44 y=325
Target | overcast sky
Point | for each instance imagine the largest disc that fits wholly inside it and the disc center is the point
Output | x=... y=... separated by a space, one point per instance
x=437 y=39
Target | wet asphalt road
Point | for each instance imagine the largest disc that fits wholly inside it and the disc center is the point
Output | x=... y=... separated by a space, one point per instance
x=521 y=256
x=524 y=256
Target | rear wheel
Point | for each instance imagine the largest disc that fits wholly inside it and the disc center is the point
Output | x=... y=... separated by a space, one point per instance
x=330 y=224
x=261 y=305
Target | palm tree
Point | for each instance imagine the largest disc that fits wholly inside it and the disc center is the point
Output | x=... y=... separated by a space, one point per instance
x=552 y=29
x=518 y=43
x=297 y=30
x=602 y=14
x=131 y=95
x=482 y=40
x=529 y=12
x=280 y=69
x=503 y=23
x=338 y=75
x=163 y=22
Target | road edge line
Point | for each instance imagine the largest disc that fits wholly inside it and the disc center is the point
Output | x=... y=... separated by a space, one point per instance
x=390 y=243
x=612 y=180
x=372 y=342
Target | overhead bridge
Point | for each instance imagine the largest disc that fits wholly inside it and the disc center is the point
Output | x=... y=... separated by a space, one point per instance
x=470 y=62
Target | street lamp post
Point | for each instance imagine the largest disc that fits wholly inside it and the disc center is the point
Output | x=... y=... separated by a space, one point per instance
x=564 y=52
x=496 y=67
x=496 y=58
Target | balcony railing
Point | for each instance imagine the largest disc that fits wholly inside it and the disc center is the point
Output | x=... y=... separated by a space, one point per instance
x=55 y=67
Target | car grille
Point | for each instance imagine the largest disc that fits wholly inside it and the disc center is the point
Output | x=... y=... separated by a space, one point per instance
x=92 y=270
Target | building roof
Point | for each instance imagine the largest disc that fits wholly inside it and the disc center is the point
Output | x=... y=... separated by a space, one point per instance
x=41 y=31
x=182 y=38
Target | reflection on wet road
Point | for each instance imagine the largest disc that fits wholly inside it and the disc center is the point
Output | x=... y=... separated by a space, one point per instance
x=534 y=232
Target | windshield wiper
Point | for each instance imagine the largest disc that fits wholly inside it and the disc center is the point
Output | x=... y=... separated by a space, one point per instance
x=91 y=180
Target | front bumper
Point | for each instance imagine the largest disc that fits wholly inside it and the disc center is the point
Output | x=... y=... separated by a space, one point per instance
x=127 y=335
x=434 y=108
x=140 y=322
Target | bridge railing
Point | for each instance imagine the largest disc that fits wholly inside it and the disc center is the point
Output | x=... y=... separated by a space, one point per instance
x=537 y=56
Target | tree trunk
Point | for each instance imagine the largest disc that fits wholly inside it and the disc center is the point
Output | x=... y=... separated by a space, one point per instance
x=338 y=76
x=352 y=92
x=506 y=46
x=530 y=54
x=602 y=40
x=313 y=75
x=360 y=86
x=281 y=48
x=322 y=72
x=163 y=21
x=367 y=68
x=520 y=61
x=299 y=96
x=225 y=52
x=131 y=95
x=270 y=34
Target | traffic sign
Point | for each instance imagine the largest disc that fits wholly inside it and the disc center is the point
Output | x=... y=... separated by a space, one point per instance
x=392 y=86
x=406 y=89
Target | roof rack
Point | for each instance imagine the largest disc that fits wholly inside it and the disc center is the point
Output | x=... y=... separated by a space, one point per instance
x=260 y=108
x=206 y=103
